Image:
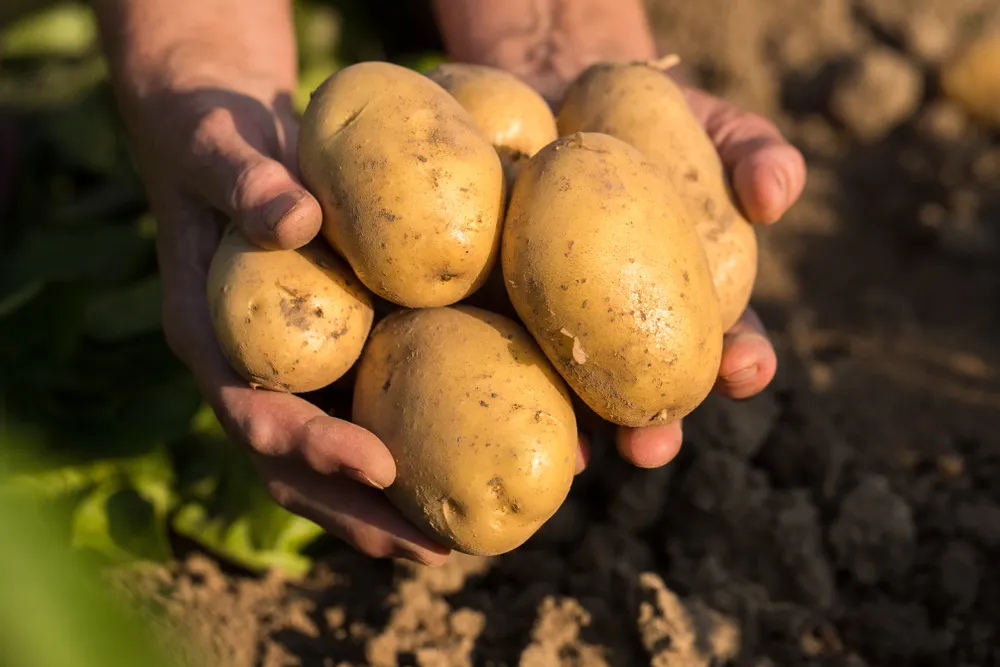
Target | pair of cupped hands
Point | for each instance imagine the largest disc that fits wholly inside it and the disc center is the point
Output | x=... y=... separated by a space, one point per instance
x=225 y=150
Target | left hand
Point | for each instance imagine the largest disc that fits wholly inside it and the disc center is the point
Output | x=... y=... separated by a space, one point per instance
x=768 y=175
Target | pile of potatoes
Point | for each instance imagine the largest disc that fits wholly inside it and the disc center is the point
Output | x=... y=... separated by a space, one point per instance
x=602 y=246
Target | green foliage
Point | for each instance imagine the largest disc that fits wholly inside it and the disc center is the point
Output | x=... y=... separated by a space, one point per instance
x=68 y=29
x=54 y=611
x=99 y=422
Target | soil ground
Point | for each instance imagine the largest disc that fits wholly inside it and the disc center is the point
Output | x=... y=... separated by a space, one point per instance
x=847 y=516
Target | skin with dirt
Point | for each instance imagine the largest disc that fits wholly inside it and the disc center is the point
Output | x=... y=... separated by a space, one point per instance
x=847 y=516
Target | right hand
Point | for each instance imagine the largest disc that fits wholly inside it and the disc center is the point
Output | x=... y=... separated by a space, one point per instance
x=223 y=148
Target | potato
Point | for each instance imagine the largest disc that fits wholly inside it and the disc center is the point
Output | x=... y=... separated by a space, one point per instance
x=638 y=103
x=971 y=79
x=287 y=320
x=512 y=115
x=609 y=276
x=479 y=423
x=411 y=190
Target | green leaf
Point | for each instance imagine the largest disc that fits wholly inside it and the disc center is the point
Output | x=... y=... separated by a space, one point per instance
x=317 y=32
x=49 y=475
x=120 y=507
x=423 y=62
x=50 y=255
x=205 y=423
x=120 y=524
x=228 y=510
x=54 y=84
x=55 y=610
x=68 y=29
x=309 y=80
x=55 y=482
x=121 y=314
x=122 y=514
x=236 y=539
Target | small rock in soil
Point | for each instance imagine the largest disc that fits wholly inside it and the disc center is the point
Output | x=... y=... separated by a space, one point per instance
x=565 y=527
x=555 y=638
x=874 y=535
x=641 y=498
x=878 y=93
x=739 y=426
x=721 y=484
x=799 y=538
x=960 y=575
x=944 y=121
x=981 y=522
x=675 y=633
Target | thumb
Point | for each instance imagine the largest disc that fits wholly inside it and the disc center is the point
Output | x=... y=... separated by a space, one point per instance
x=259 y=194
x=768 y=173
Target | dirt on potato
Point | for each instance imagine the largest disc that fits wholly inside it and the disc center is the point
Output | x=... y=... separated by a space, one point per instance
x=849 y=515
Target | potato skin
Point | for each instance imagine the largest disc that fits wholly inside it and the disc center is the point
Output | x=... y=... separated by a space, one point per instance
x=642 y=106
x=480 y=425
x=609 y=276
x=514 y=116
x=287 y=320
x=411 y=190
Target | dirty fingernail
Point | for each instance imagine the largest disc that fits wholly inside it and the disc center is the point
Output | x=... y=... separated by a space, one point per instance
x=281 y=206
x=359 y=476
x=742 y=375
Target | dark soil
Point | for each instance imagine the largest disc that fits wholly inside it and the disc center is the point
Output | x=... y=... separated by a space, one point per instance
x=847 y=516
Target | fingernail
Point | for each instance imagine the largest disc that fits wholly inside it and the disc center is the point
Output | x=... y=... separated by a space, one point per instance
x=281 y=206
x=359 y=476
x=742 y=375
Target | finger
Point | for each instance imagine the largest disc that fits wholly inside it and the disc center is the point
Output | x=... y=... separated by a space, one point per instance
x=277 y=425
x=650 y=446
x=270 y=423
x=265 y=199
x=768 y=173
x=748 y=359
x=582 y=454
x=359 y=515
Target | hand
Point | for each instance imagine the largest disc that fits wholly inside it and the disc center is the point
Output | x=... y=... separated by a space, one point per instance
x=223 y=149
x=768 y=175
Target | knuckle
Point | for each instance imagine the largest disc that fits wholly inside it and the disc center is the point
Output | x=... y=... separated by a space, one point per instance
x=733 y=125
x=258 y=435
x=372 y=543
x=315 y=446
x=281 y=493
x=253 y=177
x=213 y=124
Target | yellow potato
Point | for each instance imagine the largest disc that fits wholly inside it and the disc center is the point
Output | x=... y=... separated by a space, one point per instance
x=411 y=190
x=480 y=425
x=639 y=104
x=972 y=79
x=287 y=320
x=512 y=115
x=609 y=276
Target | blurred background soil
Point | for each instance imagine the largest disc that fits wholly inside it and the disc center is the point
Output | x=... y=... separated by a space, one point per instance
x=848 y=516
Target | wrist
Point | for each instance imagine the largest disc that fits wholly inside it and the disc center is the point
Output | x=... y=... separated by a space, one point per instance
x=156 y=46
